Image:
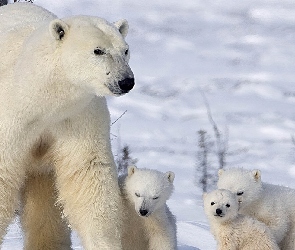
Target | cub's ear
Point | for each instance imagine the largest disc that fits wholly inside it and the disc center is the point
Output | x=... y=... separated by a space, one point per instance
x=131 y=170
x=170 y=175
x=204 y=195
x=256 y=174
x=220 y=172
x=58 y=29
x=122 y=26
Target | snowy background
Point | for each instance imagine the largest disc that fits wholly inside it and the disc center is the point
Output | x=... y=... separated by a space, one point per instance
x=240 y=54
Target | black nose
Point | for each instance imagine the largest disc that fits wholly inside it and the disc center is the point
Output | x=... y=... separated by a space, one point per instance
x=218 y=211
x=143 y=212
x=126 y=85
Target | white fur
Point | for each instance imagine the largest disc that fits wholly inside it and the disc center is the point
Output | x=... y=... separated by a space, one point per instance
x=148 y=223
x=271 y=204
x=232 y=230
x=55 y=124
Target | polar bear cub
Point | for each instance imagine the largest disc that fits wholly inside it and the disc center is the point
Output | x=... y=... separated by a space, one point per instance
x=271 y=204
x=148 y=223
x=232 y=230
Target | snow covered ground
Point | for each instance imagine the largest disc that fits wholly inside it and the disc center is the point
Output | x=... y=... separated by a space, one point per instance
x=240 y=54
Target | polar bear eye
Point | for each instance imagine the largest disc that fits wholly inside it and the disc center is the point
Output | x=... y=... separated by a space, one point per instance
x=155 y=198
x=227 y=205
x=98 y=52
x=212 y=203
x=137 y=194
x=126 y=52
x=240 y=193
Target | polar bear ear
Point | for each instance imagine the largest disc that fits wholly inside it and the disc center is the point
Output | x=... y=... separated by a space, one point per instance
x=220 y=172
x=131 y=170
x=256 y=174
x=58 y=29
x=170 y=175
x=122 y=26
x=204 y=195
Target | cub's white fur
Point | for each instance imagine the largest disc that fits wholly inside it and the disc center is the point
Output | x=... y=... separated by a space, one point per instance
x=232 y=230
x=271 y=204
x=148 y=223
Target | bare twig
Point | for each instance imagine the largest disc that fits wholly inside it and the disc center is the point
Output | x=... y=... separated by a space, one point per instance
x=119 y=117
x=29 y=1
x=221 y=139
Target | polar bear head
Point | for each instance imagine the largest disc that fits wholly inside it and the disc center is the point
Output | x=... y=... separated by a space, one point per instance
x=91 y=54
x=220 y=205
x=95 y=54
x=245 y=184
x=148 y=189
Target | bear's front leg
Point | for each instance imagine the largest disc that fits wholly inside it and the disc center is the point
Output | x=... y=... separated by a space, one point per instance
x=11 y=180
x=161 y=230
x=86 y=177
x=89 y=193
x=42 y=223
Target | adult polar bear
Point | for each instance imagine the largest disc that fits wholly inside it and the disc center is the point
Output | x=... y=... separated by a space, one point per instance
x=55 y=125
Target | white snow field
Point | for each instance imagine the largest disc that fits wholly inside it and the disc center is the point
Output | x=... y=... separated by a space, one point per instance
x=240 y=54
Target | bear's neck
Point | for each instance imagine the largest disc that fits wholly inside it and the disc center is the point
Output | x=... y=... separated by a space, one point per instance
x=50 y=103
x=44 y=90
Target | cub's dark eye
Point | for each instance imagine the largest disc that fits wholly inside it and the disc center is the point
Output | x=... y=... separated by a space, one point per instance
x=126 y=52
x=240 y=193
x=137 y=194
x=155 y=198
x=212 y=203
x=98 y=52
x=227 y=205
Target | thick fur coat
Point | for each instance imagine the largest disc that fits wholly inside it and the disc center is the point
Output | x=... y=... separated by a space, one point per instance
x=55 y=125
x=148 y=223
x=232 y=230
x=270 y=204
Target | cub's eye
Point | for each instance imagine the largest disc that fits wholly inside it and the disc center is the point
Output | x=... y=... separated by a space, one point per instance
x=227 y=205
x=98 y=52
x=155 y=198
x=137 y=194
x=212 y=203
x=126 y=52
x=240 y=193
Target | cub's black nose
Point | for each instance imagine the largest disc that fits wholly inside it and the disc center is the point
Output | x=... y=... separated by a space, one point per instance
x=143 y=212
x=126 y=85
x=218 y=211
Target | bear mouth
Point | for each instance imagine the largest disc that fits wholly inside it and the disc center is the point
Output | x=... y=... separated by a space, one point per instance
x=116 y=91
x=218 y=215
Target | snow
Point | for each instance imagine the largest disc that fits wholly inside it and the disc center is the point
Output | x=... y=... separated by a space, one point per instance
x=240 y=54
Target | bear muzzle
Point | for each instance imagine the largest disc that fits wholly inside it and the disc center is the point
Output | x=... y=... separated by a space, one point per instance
x=218 y=212
x=144 y=212
x=126 y=85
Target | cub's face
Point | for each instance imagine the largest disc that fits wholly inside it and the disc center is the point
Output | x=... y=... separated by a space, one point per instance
x=245 y=184
x=148 y=190
x=94 y=54
x=220 y=205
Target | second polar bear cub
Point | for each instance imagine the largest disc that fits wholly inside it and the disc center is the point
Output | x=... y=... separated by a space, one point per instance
x=268 y=203
x=232 y=230
x=148 y=223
